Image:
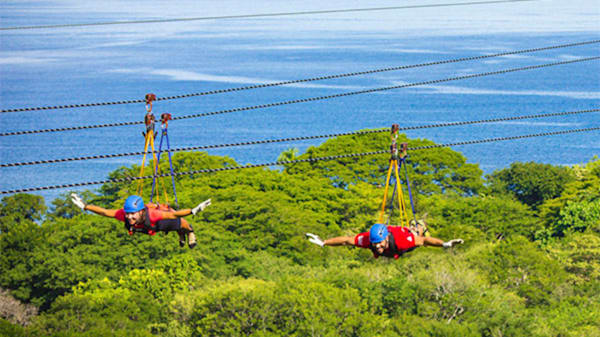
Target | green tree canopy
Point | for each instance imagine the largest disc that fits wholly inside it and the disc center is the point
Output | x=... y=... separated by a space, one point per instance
x=531 y=183
x=436 y=170
x=18 y=207
x=254 y=273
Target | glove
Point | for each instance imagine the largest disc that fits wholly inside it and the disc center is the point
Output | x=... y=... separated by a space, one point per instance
x=77 y=201
x=452 y=243
x=315 y=239
x=201 y=206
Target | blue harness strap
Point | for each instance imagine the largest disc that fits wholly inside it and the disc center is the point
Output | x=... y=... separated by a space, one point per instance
x=165 y=135
x=412 y=204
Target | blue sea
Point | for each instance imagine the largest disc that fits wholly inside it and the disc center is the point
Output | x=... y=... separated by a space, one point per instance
x=46 y=67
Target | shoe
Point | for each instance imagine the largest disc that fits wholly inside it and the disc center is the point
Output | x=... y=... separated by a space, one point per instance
x=191 y=240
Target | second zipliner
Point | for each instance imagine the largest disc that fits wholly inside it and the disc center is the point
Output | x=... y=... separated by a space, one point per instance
x=152 y=217
x=383 y=239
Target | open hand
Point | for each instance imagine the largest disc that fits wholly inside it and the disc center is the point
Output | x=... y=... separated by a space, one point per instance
x=201 y=206
x=315 y=239
x=77 y=201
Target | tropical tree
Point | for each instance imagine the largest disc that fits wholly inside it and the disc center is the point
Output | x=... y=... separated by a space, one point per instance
x=531 y=183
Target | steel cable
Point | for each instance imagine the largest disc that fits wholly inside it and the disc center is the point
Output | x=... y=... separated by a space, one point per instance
x=312 y=99
x=280 y=163
x=289 y=139
x=247 y=16
x=320 y=78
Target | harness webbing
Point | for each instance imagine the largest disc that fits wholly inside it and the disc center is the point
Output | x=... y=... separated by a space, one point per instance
x=412 y=204
x=149 y=135
x=165 y=135
x=148 y=142
x=396 y=162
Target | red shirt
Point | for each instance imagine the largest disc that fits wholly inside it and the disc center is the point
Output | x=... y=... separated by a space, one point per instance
x=403 y=238
x=154 y=215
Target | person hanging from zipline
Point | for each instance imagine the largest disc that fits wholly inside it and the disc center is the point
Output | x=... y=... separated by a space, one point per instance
x=388 y=241
x=149 y=219
x=391 y=241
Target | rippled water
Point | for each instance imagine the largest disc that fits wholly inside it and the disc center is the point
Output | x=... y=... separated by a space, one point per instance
x=64 y=66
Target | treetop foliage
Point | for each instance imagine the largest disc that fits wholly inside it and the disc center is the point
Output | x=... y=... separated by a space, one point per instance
x=529 y=265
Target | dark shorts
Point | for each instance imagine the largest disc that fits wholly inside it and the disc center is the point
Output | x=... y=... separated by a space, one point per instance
x=168 y=225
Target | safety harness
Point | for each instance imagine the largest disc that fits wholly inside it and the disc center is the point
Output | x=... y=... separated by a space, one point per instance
x=147 y=227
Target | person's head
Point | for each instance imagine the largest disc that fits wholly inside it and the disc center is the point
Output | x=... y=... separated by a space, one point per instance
x=378 y=236
x=134 y=209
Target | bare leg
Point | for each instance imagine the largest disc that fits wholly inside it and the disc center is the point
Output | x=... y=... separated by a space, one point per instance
x=434 y=242
x=186 y=226
x=428 y=241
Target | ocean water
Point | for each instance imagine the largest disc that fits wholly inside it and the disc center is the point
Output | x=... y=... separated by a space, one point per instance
x=41 y=67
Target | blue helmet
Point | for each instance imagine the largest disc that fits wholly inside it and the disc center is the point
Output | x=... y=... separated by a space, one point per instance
x=133 y=204
x=378 y=233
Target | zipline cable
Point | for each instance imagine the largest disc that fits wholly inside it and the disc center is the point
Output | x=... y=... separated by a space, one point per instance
x=269 y=141
x=320 y=78
x=312 y=99
x=284 y=162
x=247 y=16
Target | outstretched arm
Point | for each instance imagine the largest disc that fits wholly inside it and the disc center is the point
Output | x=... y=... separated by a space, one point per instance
x=101 y=211
x=177 y=214
x=187 y=211
x=340 y=241
x=337 y=241
x=435 y=242
x=96 y=209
